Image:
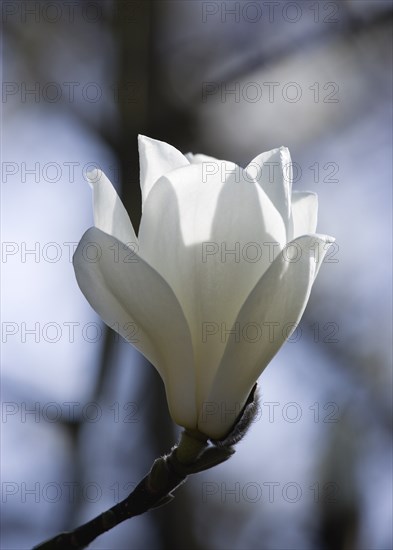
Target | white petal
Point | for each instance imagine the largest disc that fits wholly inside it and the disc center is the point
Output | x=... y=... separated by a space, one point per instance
x=274 y=306
x=156 y=158
x=304 y=213
x=210 y=237
x=198 y=158
x=273 y=171
x=109 y=212
x=133 y=299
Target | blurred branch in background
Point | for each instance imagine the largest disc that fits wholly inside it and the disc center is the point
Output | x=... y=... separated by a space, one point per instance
x=259 y=48
x=133 y=57
x=339 y=513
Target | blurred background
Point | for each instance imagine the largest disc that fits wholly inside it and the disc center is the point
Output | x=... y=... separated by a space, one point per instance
x=83 y=414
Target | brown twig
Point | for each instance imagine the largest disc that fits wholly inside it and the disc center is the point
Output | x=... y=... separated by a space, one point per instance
x=144 y=497
x=193 y=454
x=168 y=472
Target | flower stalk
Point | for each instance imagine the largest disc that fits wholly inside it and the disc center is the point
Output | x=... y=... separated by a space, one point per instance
x=154 y=490
x=193 y=454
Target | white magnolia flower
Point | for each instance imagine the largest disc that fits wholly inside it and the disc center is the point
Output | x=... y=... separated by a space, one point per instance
x=210 y=289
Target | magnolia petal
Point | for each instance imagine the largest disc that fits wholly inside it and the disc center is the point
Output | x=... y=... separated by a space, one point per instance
x=156 y=158
x=274 y=306
x=133 y=299
x=273 y=171
x=109 y=213
x=215 y=237
x=198 y=158
x=304 y=213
